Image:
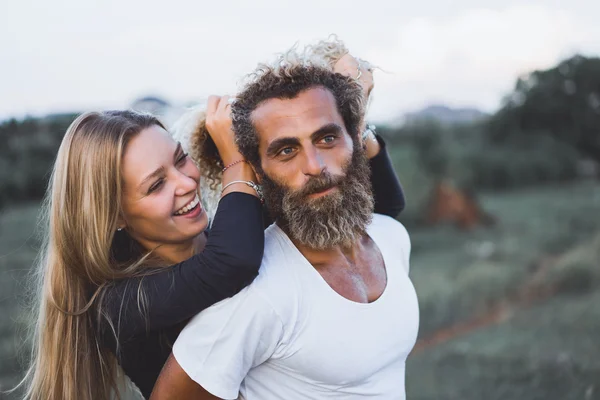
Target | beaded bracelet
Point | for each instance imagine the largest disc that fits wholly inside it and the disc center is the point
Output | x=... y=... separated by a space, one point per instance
x=232 y=164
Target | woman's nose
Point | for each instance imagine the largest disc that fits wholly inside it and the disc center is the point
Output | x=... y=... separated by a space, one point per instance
x=185 y=184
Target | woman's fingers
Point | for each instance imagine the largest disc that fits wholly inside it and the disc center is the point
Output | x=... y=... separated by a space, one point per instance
x=218 y=124
x=350 y=66
x=211 y=104
x=223 y=103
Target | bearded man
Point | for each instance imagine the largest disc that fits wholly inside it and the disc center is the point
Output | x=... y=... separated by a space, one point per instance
x=333 y=313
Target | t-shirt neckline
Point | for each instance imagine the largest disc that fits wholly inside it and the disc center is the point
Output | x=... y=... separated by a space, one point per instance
x=323 y=282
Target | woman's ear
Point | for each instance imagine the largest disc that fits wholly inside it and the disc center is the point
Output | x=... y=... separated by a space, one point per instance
x=121 y=224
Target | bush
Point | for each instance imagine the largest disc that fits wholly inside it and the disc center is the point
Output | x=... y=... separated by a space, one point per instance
x=465 y=155
x=28 y=152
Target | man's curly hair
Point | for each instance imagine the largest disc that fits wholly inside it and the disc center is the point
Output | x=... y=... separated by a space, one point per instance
x=328 y=52
x=286 y=79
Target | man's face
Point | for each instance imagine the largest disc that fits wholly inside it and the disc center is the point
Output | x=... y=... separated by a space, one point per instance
x=301 y=138
x=316 y=180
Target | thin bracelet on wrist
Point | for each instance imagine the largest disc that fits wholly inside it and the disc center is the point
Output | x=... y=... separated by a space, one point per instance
x=232 y=164
x=253 y=185
x=369 y=133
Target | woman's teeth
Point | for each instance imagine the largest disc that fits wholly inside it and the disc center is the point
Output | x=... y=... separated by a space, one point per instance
x=191 y=205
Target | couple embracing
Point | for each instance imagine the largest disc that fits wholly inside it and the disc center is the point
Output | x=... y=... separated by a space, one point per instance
x=319 y=305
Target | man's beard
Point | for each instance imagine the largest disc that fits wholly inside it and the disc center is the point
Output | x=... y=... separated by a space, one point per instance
x=338 y=218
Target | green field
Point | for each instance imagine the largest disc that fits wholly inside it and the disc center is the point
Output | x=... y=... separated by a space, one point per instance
x=511 y=312
x=507 y=312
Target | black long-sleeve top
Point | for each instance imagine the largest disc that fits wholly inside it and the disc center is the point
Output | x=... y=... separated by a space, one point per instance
x=228 y=263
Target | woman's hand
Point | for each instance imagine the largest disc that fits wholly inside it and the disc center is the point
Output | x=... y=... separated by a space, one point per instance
x=219 y=126
x=236 y=174
x=352 y=67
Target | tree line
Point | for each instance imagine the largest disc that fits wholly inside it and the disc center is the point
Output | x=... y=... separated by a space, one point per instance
x=545 y=126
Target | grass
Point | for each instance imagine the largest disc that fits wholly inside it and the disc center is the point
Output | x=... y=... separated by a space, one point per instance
x=18 y=250
x=549 y=351
x=544 y=347
x=460 y=274
x=541 y=267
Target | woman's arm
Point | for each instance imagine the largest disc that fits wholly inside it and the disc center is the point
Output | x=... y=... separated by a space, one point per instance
x=387 y=190
x=228 y=263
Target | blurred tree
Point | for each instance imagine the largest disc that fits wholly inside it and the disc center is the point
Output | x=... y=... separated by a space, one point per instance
x=27 y=153
x=563 y=101
x=431 y=140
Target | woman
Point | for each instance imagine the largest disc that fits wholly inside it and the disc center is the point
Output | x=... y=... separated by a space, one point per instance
x=123 y=206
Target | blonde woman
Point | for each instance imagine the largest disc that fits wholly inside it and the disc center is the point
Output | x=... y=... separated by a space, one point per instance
x=116 y=281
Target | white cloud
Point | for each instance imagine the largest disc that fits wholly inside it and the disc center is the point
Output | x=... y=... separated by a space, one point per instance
x=473 y=57
x=80 y=55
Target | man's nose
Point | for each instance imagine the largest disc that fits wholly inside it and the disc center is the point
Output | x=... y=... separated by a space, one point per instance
x=314 y=163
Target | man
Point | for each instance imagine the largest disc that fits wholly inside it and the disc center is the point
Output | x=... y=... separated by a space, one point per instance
x=333 y=313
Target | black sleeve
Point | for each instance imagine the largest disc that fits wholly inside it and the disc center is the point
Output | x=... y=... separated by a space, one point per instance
x=229 y=262
x=387 y=190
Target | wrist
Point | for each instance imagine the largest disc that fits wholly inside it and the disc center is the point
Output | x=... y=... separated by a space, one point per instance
x=229 y=157
x=372 y=146
x=249 y=187
x=238 y=171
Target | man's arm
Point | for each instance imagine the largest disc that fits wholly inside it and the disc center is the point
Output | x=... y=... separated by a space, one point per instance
x=174 y=383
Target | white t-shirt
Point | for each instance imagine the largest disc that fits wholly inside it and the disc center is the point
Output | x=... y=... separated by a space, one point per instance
x=290 y=336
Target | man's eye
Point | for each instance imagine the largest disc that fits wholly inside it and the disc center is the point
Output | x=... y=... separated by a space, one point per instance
x=328 y=139
x=287 y=151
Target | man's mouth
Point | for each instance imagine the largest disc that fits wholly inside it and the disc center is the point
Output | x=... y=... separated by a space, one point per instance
x=324 y=192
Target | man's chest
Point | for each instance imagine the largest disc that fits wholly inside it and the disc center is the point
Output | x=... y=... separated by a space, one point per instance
x=337 y=341
x=362 y=280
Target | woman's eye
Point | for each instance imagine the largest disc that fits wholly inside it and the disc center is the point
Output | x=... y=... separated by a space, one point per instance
x=155 y=186
x=182 y=158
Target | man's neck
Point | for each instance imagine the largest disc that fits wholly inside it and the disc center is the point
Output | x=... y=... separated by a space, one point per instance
x=332 y=255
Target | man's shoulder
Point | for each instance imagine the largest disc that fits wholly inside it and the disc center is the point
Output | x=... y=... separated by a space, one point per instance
x=388 y=225
x=392 y=239
x=274 y=289
x=277 y=281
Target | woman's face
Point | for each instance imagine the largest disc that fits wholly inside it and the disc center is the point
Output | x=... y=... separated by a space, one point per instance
x=161 y=200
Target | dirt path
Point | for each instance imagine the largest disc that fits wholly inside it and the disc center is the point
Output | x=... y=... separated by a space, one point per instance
x=534 y=290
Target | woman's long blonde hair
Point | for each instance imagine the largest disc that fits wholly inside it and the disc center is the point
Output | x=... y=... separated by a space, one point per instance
x=79 y=259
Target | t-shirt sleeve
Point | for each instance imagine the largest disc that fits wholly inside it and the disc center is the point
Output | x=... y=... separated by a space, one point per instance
x=221 y=344
x=394 y=236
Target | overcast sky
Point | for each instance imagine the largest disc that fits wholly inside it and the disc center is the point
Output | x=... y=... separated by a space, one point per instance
x=74 y=55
